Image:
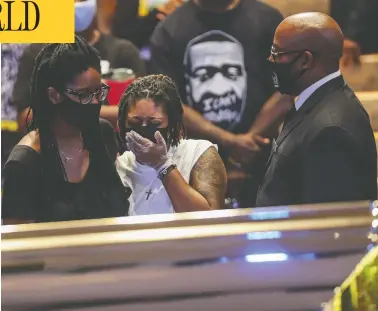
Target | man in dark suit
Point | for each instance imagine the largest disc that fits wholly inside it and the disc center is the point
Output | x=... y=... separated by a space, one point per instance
x=326 y=150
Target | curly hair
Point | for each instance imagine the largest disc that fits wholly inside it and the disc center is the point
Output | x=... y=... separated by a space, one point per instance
x=162 y=90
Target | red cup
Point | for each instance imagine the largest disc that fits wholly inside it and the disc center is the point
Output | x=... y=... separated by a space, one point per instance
x=117 y=88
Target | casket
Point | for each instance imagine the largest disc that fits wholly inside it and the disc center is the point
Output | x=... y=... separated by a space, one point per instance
x=281 y=258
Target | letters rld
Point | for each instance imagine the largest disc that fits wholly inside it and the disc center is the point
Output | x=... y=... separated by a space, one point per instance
x=6 y=8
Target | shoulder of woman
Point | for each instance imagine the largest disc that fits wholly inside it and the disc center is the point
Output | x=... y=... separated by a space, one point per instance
x=26 y=154
x=198 y=145
x=31 y=140
x=106 y=126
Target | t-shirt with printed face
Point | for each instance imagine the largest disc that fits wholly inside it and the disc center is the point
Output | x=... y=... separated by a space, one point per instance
x=218 y=60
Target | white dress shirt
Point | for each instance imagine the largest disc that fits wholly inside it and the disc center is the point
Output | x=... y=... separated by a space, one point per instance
x=299 y=101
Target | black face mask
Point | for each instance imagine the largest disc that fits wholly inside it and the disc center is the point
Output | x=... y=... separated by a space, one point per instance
x=283 y=79
x=148 y=131
x=83 y=117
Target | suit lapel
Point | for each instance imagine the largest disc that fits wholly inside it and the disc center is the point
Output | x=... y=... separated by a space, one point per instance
x=292 y=124
x=318 y=95
x=305 y=109
x=288 y=128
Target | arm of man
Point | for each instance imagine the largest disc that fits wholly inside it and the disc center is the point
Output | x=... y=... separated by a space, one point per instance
x=198 y=126
x=207 y=189
x=266 y=124
x=272 y=115
x=331 y=173
x=105 y=15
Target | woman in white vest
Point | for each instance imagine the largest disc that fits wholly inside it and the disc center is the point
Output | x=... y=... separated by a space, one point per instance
x=166 y=172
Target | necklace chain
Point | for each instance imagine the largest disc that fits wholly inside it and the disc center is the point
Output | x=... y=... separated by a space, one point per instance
x=67 y=158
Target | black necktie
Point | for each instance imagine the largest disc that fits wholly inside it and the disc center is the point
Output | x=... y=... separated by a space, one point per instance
x=290 y=115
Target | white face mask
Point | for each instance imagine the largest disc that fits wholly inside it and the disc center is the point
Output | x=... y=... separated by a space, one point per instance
x=85 y=12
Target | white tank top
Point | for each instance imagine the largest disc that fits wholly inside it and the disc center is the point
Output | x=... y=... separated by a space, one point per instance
x=148 y=193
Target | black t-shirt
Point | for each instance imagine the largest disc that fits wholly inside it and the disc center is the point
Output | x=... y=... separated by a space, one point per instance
x=218 y=60
x=119 y=53
x=25 y=195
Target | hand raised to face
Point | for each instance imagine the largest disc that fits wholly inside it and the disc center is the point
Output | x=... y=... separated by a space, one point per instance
x=147 y=152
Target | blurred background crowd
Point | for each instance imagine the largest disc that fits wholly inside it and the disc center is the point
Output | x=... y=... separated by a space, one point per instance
x=138 y=37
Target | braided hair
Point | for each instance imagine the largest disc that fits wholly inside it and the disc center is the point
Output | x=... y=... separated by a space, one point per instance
x=162 y=90
x=55 y=66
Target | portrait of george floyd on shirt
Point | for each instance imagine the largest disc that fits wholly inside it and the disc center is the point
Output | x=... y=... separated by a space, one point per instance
x=193 y=155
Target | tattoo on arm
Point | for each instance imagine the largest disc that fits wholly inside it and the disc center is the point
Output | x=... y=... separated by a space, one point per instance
x=209 y=178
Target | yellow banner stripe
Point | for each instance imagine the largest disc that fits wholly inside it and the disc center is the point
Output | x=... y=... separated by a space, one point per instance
x=143 y=8
x=10 y=126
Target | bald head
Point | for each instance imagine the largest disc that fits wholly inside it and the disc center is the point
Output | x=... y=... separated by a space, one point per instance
x=314 y=32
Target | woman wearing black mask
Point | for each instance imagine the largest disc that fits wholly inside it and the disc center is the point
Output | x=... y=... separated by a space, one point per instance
x=166 y=172
x=62 y=169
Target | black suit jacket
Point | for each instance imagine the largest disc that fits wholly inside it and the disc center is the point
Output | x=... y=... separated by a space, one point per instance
x=325 y=153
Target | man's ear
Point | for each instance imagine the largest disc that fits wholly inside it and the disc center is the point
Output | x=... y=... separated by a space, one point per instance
x=309 y=60
x=54 y=96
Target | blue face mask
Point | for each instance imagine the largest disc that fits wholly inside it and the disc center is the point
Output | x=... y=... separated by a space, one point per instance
x=85 y=12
